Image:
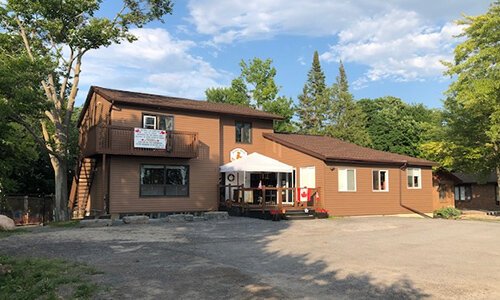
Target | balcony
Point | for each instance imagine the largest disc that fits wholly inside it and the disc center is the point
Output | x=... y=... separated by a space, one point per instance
x=119 y=140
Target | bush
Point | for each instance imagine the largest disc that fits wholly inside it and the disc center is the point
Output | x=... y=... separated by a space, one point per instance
x=447 y=213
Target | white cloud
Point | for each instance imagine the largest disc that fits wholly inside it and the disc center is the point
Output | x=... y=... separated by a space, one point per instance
x=394 y=39
x=155 y=63
x=400 y=46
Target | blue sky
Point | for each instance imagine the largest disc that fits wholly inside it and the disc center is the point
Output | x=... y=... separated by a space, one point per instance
x=388 y=47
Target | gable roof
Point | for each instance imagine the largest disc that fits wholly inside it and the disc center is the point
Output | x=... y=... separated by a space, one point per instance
x=476 y=178
x=158 y=101
x=335 y=150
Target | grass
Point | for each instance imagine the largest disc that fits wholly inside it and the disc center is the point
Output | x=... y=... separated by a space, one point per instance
x=65 y=224
x=7 y=233
x=37 y=278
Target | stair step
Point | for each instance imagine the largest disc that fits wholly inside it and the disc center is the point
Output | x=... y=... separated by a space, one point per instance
x=299 y=217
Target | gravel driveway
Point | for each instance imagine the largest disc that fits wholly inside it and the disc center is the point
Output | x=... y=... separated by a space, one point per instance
x=372 y=257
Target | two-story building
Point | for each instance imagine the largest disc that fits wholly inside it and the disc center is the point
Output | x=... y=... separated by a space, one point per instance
x=151 y=154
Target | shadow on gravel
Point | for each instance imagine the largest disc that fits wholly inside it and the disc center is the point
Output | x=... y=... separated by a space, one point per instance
x=235 y=259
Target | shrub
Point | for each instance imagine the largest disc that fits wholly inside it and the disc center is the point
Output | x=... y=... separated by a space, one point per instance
x=447 y=213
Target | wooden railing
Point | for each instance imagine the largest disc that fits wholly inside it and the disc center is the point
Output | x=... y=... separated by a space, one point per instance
x=119 y=140
x=268 y=198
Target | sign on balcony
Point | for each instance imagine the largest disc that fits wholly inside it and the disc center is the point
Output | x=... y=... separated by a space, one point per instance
x=150 y=138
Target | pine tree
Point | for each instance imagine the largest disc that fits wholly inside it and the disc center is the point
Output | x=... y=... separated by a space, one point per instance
x=346 y=120
x=311 y=102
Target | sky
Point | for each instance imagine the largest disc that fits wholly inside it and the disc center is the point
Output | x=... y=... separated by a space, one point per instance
x=389 y=48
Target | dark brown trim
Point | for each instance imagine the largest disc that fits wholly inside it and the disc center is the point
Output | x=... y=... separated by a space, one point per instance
x=165 y=167
x=251 y=132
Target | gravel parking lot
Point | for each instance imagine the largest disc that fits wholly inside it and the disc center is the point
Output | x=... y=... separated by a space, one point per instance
x=361 y=258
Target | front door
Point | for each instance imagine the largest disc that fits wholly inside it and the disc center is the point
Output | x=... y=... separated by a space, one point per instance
x=307 y=177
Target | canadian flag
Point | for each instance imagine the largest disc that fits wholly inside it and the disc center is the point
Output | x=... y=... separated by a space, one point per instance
x=304 y=194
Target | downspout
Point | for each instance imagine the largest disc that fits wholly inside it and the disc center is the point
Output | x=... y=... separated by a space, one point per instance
x=105 y=177
x=403 y=167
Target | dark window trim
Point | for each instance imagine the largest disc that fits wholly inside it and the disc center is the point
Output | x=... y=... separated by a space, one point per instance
x=236 y=128
x=464 y=186
x=157 y=119
x=164 y=167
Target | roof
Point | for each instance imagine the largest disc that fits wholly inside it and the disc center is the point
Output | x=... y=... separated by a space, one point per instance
x=335 y=150
x=158 y=101
x=476 y=178
x=256 y=162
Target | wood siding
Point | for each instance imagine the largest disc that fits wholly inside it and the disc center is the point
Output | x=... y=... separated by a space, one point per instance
x=228 y=141
x=483 y=197
x=443 y=194
x=203 y=173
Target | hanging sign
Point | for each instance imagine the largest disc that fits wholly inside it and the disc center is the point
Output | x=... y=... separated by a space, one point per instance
x=237 y=153
x=150 y=138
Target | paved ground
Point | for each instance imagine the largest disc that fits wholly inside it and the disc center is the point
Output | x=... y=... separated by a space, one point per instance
x=376 y=257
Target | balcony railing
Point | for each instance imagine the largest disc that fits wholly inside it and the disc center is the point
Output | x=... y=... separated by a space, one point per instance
x=119 y=140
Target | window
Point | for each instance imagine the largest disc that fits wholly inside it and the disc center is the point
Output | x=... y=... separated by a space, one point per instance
x=463 y=193
x=380 y=179
x=442 y=191
x=414 y=178
x=149 y=122
x=158 y=122
x=164 y=180
x=243 y=132
x=497 y=197
x=347 y=180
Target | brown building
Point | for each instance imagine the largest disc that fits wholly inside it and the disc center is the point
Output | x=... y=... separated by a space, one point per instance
x=473 y=192
x=153 y=154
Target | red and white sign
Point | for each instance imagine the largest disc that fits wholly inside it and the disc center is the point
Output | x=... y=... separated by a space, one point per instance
x=150 y=138
x=237 y=153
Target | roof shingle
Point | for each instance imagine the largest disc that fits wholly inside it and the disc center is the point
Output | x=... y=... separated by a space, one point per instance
x=135 y=98
x=332 y=149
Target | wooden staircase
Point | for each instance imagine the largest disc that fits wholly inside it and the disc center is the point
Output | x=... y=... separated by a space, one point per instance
x=79 y=200
x=299 y=215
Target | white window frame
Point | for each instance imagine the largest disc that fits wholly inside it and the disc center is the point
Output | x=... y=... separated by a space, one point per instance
x=386 y=180
x=419 y=178
x=144 y=117
x=340 y=179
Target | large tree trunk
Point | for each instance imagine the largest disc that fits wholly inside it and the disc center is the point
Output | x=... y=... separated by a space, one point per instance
x=61 y=189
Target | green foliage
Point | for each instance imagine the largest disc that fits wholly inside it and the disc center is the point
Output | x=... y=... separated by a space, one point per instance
x=237 y=93
x=311 y=107
x=65 y=224
x=37 y=278
x=255 y=87
x=447 y=213
x=471 y=142
x=345 y=118
x=43 y=43
x=398 y=127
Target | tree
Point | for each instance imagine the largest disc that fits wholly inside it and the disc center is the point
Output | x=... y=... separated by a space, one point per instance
x=61 y=33
x=472 y=105
x=256 y=88
x=237 y=93
x=311 y=107
x=398 y=127
x=345 y=118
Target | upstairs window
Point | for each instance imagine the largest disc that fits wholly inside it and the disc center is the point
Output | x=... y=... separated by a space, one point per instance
x=158 y=122
x=243 y=132
x=149 y=122
x=463 y=193
x=414 y=176
x=380 y=179
x=347 y=180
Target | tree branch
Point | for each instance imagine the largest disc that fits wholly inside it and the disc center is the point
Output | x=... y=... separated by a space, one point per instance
x=25 y=39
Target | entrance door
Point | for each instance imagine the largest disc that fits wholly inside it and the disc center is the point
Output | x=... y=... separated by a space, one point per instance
x=307 y=177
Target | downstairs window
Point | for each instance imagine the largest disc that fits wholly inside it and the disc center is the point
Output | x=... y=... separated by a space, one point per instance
x=164 y=180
